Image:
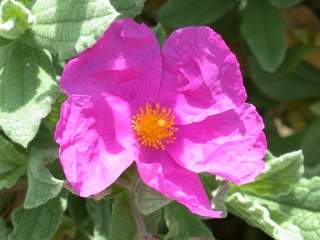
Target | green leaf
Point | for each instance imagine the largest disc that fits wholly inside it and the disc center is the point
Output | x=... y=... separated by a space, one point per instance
x=303 y=207
x=12 y=163
x=66 y=230
x=127 y=8
x=83 y=235
x=148 y=200
x=299 y=211
x=264 y=30
x=287 y=77
x=101 y=213
x=316 y=108
x=280 y=175
x=311 y=150
x=177 y=13
x=160 y=33
x=218 y=189
x=153 y=221
x=27 y=89
x=15 y=19
x=280 y=145
x=77 y=209
x=218 y=198
x=297 y=83
x=285 y=3
x=69 y=27
x=258 y=99
x=190 y=226
x=122 y=218
x=51 y=120
x=3 y=230
x=113 y=218
x=173 y=232
x=44 y=138
x=37 y=223
x=42 y=186
x=250 y=209
x=4 y=41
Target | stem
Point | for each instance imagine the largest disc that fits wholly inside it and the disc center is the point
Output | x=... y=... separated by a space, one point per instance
x=138 y=218
x=130 y=184
x=141 y=226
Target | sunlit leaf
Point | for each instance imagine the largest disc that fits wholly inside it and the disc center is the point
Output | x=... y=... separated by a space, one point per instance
x=27 y=90
x=69 y=27
x=280 y=175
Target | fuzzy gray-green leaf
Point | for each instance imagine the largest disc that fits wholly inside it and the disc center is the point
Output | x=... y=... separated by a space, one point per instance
x=27 y=90
x=189 y=225
x=15 y=19
x=3 y=230
x=12 y=163
x=69 y=27
x=37 y=223
x=281 y=174
x=149 y=200
x=295 y=216
x=42 y=186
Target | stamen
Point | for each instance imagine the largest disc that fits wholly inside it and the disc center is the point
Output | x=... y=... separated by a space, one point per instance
x=154 y=126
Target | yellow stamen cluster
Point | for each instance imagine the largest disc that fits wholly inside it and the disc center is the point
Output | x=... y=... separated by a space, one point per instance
x=154 y=126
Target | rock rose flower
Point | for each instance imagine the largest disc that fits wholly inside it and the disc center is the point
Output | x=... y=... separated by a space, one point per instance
x=175 y=112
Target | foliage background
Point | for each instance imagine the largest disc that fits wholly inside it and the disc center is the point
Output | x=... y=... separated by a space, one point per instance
x=278 y=45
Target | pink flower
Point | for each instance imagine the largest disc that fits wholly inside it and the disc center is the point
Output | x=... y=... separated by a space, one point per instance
x=176 y=112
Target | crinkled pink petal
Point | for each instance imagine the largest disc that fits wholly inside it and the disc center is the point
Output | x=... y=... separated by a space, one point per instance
x=125 y=62
x=160 y=172
x=96 y=142
x=230 y=144
x=202 y=72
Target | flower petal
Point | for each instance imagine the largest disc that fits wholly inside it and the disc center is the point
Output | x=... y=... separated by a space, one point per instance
x=202 y=71
x=230 y=144
x=161 y=173
x=96 y=142
x=125 y=61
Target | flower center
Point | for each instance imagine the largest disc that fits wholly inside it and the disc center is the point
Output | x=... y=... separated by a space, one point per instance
x=154 y=126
